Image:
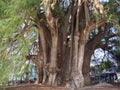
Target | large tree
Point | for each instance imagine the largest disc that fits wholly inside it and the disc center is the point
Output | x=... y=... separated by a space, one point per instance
x=63 y=32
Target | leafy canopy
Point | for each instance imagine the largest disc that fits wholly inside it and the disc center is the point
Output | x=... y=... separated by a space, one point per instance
x=16 y=40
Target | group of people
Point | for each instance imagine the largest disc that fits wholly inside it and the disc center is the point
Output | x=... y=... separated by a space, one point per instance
x=105 y=77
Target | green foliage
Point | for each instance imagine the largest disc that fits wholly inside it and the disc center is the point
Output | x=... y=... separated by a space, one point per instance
x=14 y=12
x=112 y=14
x=105 y=65
x=57 y=11
x=16 y=42
x=42 y=21
x=13 y=56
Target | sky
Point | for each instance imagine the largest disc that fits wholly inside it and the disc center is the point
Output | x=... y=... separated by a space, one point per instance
x=100 y=55
x=104 y=0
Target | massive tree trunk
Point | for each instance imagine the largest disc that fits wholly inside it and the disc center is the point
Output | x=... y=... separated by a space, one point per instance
x=61 y=57
x=89 y=49
x=53 y=54
x=86 y=65
x=43 y=46
x=79 y=42
x=53 y=62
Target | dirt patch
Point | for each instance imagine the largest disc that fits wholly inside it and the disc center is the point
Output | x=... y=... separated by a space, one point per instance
x=101 y=86
x=33 y=87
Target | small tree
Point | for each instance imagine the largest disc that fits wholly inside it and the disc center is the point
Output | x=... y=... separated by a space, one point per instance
x=106 y=65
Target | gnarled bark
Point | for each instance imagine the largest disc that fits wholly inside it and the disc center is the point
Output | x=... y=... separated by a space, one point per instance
x=65 y=52
x=89 y=49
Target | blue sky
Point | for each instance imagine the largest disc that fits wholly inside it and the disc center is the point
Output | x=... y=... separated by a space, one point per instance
x=104 y=0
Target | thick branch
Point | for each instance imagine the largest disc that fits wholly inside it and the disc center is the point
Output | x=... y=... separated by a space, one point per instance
x=93 y=24
x=118 y=2
x=104 y=46
x=111 y=36
x=95 y=41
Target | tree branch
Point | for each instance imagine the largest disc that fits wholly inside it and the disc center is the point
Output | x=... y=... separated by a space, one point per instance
x=92 y=24
x=111 y=36
x=118 y=2
x=87 y=16
x=104 y=46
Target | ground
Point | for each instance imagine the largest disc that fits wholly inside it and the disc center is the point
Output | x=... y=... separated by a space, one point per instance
x=102 y=86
